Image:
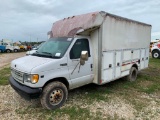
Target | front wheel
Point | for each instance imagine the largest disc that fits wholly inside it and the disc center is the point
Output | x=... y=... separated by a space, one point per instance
x=54 y=95
x=8 y=51
x=156 y=54
x=132 y=74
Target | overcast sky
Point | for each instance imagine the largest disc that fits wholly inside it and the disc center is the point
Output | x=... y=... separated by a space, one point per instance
x=31 y=19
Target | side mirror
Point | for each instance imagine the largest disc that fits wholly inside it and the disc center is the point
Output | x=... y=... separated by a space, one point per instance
x=84 y=57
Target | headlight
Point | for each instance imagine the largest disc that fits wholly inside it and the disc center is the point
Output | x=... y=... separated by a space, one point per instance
x=31 y=78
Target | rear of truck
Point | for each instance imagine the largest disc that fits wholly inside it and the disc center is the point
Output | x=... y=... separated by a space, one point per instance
x=125 y=48
x=120 y=47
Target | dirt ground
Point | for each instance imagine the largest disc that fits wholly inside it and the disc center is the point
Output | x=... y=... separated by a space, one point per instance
x=5 y=59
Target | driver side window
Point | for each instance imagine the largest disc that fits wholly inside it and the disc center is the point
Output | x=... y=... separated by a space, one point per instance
x=79 y=46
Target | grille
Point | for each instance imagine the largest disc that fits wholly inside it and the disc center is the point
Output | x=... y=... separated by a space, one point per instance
x=17 y=75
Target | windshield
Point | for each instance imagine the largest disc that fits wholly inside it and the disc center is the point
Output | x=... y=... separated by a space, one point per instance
x=40 y=45
x=54 y=47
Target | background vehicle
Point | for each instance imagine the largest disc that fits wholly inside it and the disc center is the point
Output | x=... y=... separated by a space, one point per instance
x=153 y=42
x=91 y=48
x=34 y=49
x=9 y=45
x=2 y=48
x=155 y=50
x=23 y=47
x=9 y=48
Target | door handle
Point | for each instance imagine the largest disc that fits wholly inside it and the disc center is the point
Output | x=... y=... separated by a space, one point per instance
x=91 y=65
x=63 y=64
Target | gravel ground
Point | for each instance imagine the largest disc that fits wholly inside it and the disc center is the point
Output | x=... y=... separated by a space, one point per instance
x=11 y=103
x=5 y=59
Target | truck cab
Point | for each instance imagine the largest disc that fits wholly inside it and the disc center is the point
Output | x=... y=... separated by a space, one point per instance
x=60 y=56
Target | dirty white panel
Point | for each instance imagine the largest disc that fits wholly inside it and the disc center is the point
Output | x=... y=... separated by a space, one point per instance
x=147 y=57
x=142 y=61
x=107 y=75
x=118 y=72
x=118 y=57
x=118 y=64
x=127 y=55
x=126 y=67
x=123 y=34
x=125 y=73
x=136 y=54
x=107 y=66
x=94 y=46
x=107 y=60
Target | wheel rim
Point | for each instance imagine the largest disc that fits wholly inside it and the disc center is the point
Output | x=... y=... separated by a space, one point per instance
x=56 y=96
x=155 y=55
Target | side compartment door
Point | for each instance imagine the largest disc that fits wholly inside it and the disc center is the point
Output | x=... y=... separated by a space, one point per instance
x=142 y=61
x=147 y=57
x=118 y=64
x=108 y=66
x=80 y=75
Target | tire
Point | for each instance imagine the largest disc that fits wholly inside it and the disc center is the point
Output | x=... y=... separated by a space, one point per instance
x=0 y=51
x=15 y=50
x=55 y=90
x=8 y=51
x=155 y=54
x=132 y=74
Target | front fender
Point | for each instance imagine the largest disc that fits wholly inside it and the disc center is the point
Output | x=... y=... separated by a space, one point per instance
x=45 y=76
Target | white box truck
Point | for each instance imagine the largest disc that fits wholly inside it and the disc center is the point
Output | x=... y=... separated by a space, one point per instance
x=91 y=48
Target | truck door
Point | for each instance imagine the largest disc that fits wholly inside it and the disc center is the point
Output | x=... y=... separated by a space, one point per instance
x=80 y=75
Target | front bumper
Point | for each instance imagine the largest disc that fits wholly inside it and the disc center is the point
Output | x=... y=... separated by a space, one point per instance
x=25 y=91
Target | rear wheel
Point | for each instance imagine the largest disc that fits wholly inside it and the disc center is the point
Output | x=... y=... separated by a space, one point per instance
x=54 y=95
x=15 y=50
x=132 y=74
x=156 y=54
x=8 y=51
x=0 y=51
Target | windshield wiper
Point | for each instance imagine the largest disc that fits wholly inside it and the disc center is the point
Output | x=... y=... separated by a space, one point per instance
x=48 y=54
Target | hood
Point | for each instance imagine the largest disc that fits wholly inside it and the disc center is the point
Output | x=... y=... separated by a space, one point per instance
x=27 y=63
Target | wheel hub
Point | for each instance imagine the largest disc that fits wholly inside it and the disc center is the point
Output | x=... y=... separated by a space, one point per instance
x=56 y=96
x=156 y=55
